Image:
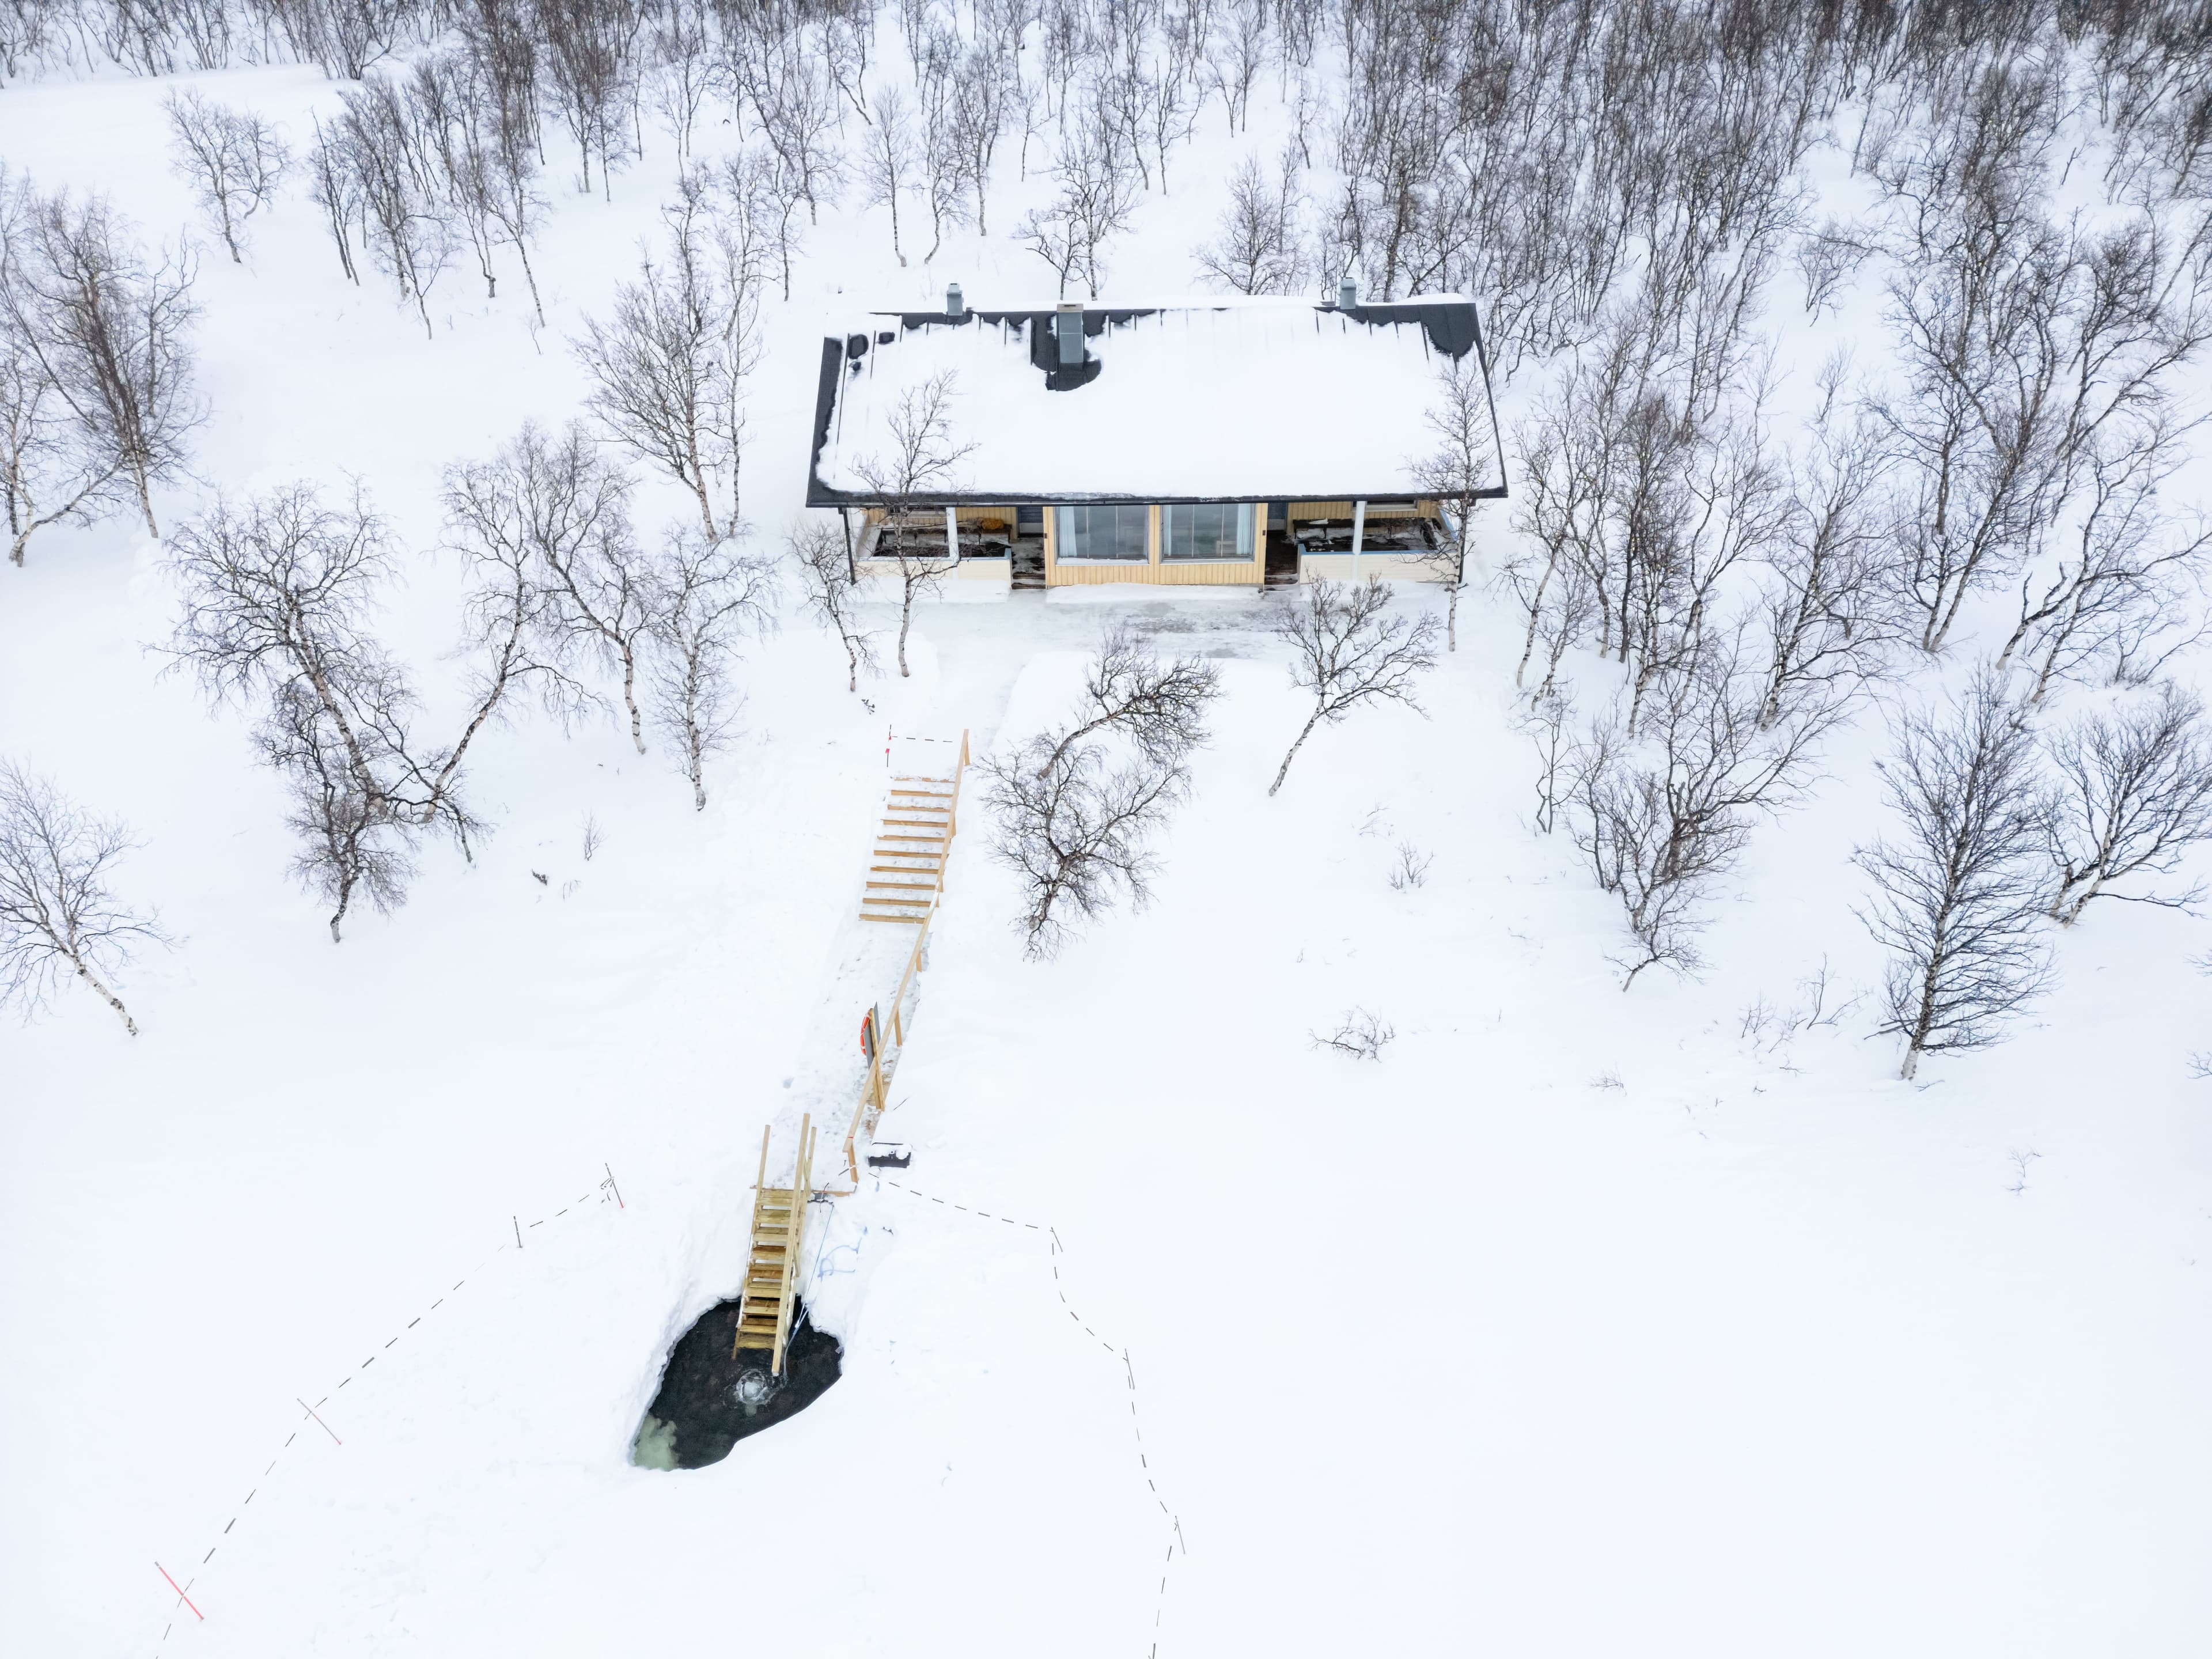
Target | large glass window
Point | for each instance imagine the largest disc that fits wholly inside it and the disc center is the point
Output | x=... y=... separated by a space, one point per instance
x=1102 y=532
x=1208 y=531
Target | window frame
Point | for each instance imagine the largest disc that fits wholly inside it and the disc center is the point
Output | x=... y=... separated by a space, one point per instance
x=1063 y=536
x=1246 y=539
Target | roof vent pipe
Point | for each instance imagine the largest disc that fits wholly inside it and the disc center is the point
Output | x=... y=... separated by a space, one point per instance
x=954 y=306
x=1067 y=322
x=1347 y=294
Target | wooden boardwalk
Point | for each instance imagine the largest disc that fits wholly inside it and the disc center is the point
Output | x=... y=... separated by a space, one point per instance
x=905 y=881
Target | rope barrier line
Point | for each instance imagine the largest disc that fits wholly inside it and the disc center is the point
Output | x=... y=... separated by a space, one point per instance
x=605 y=1193
x=1055 y=1249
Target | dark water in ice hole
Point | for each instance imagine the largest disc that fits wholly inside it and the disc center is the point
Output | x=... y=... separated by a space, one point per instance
x=709 y=1401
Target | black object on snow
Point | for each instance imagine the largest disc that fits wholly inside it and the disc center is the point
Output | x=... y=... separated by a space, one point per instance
x=709 y=1401
x=891 y=1155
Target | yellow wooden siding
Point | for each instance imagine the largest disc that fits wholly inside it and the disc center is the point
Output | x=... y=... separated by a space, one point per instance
x=1156 y=572
x=1210 y=572
x=1191 y=573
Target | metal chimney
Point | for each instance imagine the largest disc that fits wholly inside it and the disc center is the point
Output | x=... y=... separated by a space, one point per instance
x=1347 y=294
x=1067 y=321
x=954 y=306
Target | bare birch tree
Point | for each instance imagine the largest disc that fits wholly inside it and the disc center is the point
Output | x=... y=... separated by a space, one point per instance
x=52 y=470
x=1664 y=810
x=553 y=507
x=683 y=52
x=1077 y=829
x=920 y=459
x=1256 y=247
x=60 y=918
x=280 y=594
x=378 y=142
x=333 y=186
x=708 y=597
x=233 y=160
x=1459 y=474
x=2133 y=796
x=1830 y=614
x=1160 y=706
x=2114 y=593
x=1962 y=895
x=590 y=69
x=832 y=594
x=1097 y=201
x=108 y=332
x=1347 y=652
x=668 y=365
x=888 y=159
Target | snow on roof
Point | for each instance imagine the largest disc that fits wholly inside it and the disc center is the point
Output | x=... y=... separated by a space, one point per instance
x=1253 y=400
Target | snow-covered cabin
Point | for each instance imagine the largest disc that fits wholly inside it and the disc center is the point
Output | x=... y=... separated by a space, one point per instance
x=1232 y=442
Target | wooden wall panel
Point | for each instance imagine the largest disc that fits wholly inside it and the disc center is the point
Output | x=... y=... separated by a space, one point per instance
x=1157 y=572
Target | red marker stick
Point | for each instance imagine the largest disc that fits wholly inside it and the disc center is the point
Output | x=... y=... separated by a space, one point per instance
x=180 y=1590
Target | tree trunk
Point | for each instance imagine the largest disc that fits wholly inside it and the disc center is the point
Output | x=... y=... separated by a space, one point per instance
x=1536 y=620
x=706 y=508
x=104 y=993
x=1925 y=1018
x=630 y=696
x=529 y=276
x=1284 y=771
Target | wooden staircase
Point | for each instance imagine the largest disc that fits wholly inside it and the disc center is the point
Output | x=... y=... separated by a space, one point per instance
x=772 y=1271
x=907 y=871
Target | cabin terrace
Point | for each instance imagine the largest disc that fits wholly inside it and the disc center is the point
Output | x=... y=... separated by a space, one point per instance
x=1190 y=445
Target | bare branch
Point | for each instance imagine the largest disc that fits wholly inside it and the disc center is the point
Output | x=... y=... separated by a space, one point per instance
x=1347 y=652
x=60 y=919
x=1961 y=895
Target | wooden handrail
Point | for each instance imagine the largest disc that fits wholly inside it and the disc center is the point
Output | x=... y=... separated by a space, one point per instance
x=874 y=1084
x=802 y=1189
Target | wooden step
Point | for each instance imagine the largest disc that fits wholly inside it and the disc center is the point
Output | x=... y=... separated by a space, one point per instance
x=911 y=922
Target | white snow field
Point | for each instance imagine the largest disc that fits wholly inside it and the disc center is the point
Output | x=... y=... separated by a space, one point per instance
x=1579 y=1324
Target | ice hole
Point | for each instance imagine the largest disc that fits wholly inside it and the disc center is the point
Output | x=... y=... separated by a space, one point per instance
x=709 y=1400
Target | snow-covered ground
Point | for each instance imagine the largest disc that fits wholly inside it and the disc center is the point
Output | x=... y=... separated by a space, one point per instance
x=1580 y=1323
